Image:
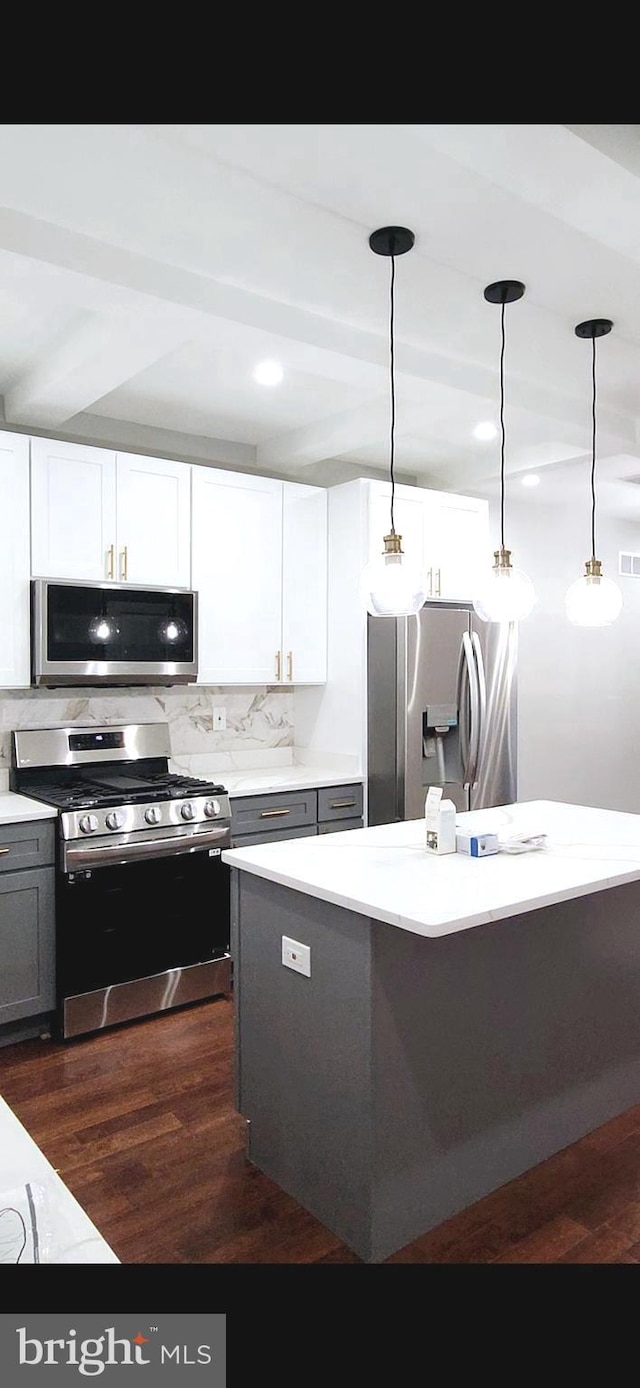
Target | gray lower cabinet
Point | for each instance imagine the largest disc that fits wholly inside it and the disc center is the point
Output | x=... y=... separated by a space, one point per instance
x=340 y=803
x=274 y=812
x=295 y=814
x=27 y=921
x=338 y=826
x=270 y=835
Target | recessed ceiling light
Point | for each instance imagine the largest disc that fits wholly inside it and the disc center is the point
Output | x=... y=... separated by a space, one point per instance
x=268 y=373
x=530 y=479
x=485 y=431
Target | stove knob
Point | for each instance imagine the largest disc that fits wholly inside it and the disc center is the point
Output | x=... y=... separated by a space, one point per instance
x=88 y=824
x=114 y=819
x=153 y=815
x=212 y=808
x=187 y=811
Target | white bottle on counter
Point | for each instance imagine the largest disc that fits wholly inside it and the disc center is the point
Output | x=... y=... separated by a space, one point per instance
x=440 y=822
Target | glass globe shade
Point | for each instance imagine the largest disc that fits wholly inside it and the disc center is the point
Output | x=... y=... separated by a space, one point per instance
x=506 y=595
x=391 y=586
x=593 y=601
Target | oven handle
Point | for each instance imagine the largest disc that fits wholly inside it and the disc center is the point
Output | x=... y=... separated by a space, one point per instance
x=76 y=859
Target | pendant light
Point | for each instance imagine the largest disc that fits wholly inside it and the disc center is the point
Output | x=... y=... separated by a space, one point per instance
x=506 y=595
x=391 y=585
x=593 y=600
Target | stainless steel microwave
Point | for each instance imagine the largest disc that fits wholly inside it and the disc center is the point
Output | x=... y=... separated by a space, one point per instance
x=112 y=633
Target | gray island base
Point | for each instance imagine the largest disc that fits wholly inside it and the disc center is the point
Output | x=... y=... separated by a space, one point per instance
x=409 y=1076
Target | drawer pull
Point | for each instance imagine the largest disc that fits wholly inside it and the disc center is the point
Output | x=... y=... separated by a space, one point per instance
x=271 y=814
x=5 y=850
x=342 y=804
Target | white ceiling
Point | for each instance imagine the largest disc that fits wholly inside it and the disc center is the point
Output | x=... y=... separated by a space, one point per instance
x=146 y=269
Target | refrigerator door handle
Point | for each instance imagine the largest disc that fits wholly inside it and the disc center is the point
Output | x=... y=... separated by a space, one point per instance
x=469 y=737
x=482 y=699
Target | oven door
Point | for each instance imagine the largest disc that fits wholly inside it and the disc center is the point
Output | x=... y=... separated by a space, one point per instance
x=112 y=633
x=139 y=937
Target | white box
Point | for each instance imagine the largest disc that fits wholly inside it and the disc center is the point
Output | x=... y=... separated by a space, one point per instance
x=440 y=822
x=477 y=845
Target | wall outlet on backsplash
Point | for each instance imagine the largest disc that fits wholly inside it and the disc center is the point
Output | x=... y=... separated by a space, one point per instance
x=219 y=719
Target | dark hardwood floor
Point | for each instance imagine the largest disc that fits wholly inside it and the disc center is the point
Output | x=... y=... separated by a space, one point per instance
x=139 y=1121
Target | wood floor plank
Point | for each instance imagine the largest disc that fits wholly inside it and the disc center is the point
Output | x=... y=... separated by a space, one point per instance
x=140 y=1121
x=547 y=1243
x=603 y=1246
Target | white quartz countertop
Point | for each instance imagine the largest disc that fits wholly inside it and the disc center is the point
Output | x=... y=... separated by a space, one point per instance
x=285 y=778
x=66 y=1233
x=17 y=809
x=385 y=872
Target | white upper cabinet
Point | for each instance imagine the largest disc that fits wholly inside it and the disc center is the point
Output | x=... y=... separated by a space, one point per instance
x=153 y=521
x=15 y=669
x=259 y=565
x=99 y=515
x=445 y=535
x=304 y=584
x=237 y=572
x=456 y=544
x=73 y=511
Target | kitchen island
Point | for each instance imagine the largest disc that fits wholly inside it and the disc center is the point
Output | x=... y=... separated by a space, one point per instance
x=463 y=1019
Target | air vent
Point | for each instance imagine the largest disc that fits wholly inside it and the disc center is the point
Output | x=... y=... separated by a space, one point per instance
x=629 y=565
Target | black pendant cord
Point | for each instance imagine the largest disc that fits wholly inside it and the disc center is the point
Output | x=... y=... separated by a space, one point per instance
x=593 y=451
x=503 y=432
x=393 y=384
x=503 y=292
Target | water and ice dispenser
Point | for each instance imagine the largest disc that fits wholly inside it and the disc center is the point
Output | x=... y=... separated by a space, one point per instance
x=441 y=762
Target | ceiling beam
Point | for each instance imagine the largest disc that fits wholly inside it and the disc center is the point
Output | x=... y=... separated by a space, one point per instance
x=96 y=353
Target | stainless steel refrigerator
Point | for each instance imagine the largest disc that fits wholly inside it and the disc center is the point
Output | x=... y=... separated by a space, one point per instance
x=441 y=711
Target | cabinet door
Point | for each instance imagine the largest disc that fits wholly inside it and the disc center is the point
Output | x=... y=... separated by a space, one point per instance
x=456 y=544
x=153 y=497
x=73 y=511
x=275 y=810
x=304 y=584
x=248 y=840
x=15 y=667
x=237 y=571
x=408 y=519
x=27 y=970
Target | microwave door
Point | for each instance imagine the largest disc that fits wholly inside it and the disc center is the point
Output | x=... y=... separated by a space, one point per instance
x=112 y=634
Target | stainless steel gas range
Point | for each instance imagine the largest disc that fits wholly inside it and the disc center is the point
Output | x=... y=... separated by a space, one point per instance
x=142 y=896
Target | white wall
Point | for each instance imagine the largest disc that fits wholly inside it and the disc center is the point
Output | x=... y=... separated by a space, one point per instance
x=579 y=689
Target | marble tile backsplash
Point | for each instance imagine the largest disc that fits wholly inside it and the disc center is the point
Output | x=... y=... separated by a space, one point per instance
x=260 y=721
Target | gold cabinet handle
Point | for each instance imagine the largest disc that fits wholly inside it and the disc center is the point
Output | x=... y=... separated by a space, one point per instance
x=342 y=804
x=5 y=850
x=438 y=593
x=272 y=814
x=430 y=582
x=289 y=665
x=278 y=667
x=111 y=552
x=123 y=563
